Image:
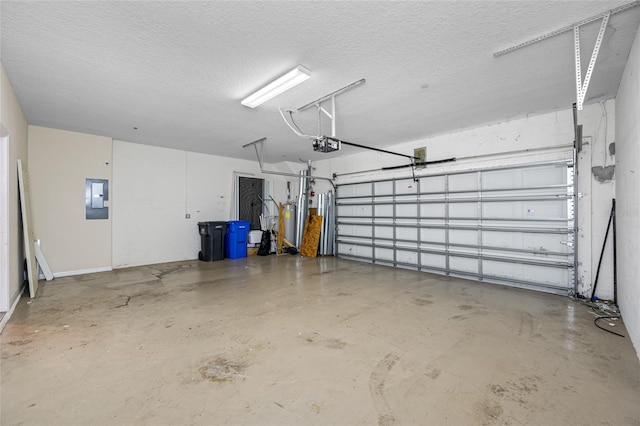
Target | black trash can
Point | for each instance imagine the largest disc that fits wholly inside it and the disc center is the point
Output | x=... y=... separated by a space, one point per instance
x=212 y=240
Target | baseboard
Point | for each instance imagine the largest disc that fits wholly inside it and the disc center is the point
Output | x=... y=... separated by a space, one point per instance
x=7 y=315
x=82 y=272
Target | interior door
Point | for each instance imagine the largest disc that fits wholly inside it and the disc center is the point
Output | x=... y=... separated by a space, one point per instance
x=250 y=196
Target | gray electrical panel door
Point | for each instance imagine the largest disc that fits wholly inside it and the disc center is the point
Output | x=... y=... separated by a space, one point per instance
x=508 y=225
x=96 y=197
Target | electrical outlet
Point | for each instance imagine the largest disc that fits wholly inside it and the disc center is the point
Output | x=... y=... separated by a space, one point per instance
x=187 y=216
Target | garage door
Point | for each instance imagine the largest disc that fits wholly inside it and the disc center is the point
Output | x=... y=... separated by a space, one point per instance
x=507 y=225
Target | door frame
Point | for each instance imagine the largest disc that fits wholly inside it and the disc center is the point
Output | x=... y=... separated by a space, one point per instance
x=266 y=192
x=4 y=220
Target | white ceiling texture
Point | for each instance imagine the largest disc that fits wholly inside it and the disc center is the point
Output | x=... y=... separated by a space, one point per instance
x=177 y=71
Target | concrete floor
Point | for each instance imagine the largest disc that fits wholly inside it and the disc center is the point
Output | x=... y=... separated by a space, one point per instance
x=295 y=341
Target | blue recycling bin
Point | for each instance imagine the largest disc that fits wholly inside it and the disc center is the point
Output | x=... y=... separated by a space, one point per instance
x=235 y=240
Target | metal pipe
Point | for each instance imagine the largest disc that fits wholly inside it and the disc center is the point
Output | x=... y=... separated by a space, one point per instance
x=615 y=256
x=473 y=157
x=464 y=228
x=464 y=191
x=268 y=172
x=301 y=213
x=323 y=234
x=523 y=188
x=347 y=239
x=462 y=200
x=337 y=92
x=504 y=259
x=487 y=278
x=483 y=219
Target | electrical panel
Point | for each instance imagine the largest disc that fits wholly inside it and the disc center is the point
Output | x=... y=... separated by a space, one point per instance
x=96 y=199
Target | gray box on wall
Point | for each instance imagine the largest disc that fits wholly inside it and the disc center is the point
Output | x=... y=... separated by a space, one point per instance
x=96 y=197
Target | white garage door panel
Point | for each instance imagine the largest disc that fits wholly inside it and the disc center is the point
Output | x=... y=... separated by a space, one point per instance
x=463 y=210
x=407 y=257
x=543 y=243
x=537 y=274
x=457 y=236
x=433 y=261
x=407 y=210
x=526 y=210
x=432 y=210
x=356 y=211
x=510 y=225
x=463 y=182
x=434 y=235
x=355 y=251
x=433 y=184
x=463 y=264
x=407 y=234
x=384 y=188
x=384 y=254
x=384 y=210
x=406 y=187
x=383 y=232
x=358 y=230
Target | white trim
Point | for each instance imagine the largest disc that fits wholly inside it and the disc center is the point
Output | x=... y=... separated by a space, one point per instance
x=7 y=315
x=82 y=272
x=42 y=261
x=4 y=226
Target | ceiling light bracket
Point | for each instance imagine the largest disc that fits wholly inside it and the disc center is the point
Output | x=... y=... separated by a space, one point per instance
x=581 y=87
x=331 y=115
x=320 y=143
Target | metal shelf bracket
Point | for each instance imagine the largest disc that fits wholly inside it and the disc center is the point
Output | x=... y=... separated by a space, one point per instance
x=581 y=87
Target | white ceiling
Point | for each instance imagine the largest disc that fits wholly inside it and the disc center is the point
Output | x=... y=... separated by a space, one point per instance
x=178 y=70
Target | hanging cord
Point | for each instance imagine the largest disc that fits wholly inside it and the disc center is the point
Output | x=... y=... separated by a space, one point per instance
x=294 y=121
x=602 y=310
x=296 y=131
x=595 y=321
x=606 y=129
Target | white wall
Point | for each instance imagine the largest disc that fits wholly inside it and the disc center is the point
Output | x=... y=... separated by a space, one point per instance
x=525 y=135
x=14 y=123
x=154 y=188
x=59 y=163
x=628 y=194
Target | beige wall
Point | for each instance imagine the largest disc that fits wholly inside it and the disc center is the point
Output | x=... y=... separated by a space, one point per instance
x=15 y=124
x=59 y=163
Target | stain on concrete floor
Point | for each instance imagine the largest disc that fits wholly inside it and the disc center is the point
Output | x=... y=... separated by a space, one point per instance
x=221 y=370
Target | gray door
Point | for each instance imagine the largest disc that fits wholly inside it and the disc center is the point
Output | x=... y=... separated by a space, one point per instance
x=250 y=194
x=506 y=225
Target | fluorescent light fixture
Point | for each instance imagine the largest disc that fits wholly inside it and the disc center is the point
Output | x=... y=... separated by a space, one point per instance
x=284 y=83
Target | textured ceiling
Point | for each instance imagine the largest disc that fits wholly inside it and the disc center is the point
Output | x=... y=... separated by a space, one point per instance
x=177 y=70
